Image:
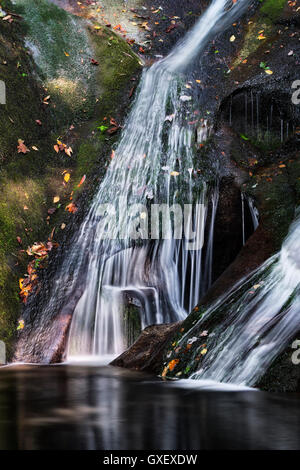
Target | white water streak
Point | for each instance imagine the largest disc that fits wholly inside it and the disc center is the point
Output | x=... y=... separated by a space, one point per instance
x=151 y=273
x=259 y=326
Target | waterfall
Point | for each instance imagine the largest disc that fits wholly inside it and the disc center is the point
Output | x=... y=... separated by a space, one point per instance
x=152 y=164
x=260 y=324
x=165 y=276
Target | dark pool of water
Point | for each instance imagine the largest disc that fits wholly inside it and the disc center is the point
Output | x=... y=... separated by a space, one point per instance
x=93 y=407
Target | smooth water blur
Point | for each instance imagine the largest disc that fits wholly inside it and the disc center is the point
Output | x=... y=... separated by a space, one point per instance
x=92 y=407
x=154 y=162
x=260 y=323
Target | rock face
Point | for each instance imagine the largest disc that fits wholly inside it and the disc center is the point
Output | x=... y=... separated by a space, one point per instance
x=259 y=159
x=79 y=96
x=246 y=88
x=147 y=352
x=104 y=90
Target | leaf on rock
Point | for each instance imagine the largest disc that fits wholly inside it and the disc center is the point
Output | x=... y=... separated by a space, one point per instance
x=71 y=208
x=22 y=147
x=81 y=181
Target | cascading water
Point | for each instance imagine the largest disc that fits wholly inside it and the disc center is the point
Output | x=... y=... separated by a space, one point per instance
x=259 y=325
x=153 y=163
x=143 y=168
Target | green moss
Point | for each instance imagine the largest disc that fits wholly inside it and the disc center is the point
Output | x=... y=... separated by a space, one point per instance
x=262 y=23
x=62 y=51
x=117 y=65
x=132 y=324
x=29 y=181
x=272 y=8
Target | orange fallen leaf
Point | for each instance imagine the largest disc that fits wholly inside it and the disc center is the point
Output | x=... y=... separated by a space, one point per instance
x=81 y=181
x=71 y=208
x=22 y=147
x=172 y=364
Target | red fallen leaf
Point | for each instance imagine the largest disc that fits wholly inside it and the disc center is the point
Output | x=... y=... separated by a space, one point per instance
x=22 y=147
x=113 y=130
x=142 y=50
x=94 y=62
x=38 y=122
x=170 y=28
x=30 y=269
x=19 y=240
x=113 y=122
x=108 y=25
x=81 y=181
x=71 y=208
x=56 y=148
x=112 y=154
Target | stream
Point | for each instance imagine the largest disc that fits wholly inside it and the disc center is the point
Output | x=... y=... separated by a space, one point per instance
x=88 y=406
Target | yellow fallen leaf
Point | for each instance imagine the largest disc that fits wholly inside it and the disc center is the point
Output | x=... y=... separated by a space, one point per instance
x=56 y=199
x=174 y=173
x=269 y=72
x=203 y=352
x=67 y=177
x=232 y=38
x=63 y=226
x=66 y=54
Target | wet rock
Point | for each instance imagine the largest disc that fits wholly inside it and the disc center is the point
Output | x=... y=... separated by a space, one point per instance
x=265 y=168
x=146 y=353
x=283 y=375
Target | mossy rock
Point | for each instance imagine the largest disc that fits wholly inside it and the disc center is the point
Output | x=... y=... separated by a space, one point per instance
x=81 y=95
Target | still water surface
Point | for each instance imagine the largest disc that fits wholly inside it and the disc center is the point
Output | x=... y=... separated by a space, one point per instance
x=89 y=406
